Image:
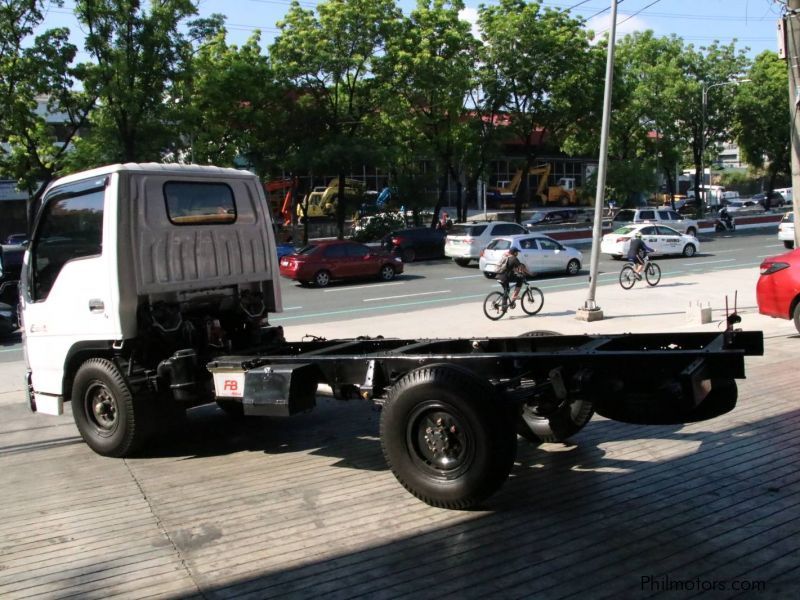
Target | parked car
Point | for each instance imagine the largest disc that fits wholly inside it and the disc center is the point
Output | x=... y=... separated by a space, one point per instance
x=778 y=287
x=744 y=207
x=539 y=253
x=786 y=230
x=662 y=216
x=554 y=217
x=9 y=278
x=321 y=262
x=465 y=241
x=787 y=195
x=662 y=239
x=417 y=242
x=775 y=199
x=17 y=239
x=285 y=249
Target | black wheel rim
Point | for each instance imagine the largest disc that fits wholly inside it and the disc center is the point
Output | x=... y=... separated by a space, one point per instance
x=100 y=409
x=440 y=441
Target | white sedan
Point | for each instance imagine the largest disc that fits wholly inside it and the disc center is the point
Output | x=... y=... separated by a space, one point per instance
x=539 y=253
x=662 y=239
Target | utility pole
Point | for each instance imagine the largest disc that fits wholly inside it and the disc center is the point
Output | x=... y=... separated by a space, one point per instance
x=590 y=311
x=792 y=28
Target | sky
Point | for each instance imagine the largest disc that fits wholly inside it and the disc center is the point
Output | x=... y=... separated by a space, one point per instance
x=752 y=23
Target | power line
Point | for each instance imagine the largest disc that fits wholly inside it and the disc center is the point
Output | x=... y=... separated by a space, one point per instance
x=638 y=11
x=602 y=11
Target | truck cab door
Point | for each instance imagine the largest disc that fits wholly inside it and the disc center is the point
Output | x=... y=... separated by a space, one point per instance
x=68 y=295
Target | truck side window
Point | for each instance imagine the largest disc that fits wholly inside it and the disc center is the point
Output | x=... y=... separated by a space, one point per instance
x=191 y=203
x=71 y=227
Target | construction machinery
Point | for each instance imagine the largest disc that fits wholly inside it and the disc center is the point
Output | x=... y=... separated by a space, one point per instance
x=280 y=202
x=502 y=195
x=321 y=202
x=564 y=192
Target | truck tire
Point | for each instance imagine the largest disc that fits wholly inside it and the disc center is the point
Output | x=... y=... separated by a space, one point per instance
x=445 y=439
x=110 y=418
x=562 y=422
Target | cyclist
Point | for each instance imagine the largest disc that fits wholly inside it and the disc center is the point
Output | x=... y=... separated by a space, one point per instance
x=637 y=251
x=510 y=270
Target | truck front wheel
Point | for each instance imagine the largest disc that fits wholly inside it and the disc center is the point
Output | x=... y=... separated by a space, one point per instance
x=444 y=438
x=110 y=418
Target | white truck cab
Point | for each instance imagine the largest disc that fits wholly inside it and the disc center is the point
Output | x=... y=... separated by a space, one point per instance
x=143 y=270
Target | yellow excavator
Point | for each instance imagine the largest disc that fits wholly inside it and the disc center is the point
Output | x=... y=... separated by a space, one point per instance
x=321 y=202
x=502 y=195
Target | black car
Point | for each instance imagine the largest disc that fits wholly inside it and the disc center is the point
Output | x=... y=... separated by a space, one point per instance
x=10 y=265
x=417 y=242
x=775 y=199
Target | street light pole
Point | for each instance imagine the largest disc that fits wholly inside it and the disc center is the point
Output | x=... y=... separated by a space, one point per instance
x=590 y=311
x=702 y=191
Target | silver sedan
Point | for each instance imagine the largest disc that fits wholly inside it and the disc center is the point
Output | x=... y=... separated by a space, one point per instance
x=539 y=253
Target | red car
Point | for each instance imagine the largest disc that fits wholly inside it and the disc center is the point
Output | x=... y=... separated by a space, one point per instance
x=321 y=262
x=778 y=289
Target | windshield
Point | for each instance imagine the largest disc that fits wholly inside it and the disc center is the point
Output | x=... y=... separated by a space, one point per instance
x=306 y=250
x=625 y=230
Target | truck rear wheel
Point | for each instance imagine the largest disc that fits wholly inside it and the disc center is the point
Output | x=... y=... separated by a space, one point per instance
x=111 y=420
x=560 y=421
x=444 y=439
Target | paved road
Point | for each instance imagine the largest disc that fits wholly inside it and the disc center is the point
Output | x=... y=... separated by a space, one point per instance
x=442 y=282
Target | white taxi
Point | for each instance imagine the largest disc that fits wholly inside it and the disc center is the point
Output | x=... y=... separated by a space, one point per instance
x=662 y=239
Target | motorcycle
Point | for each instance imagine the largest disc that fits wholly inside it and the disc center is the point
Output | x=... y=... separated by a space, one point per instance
x=724 y=221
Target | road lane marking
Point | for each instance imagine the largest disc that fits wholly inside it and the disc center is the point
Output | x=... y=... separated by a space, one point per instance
x=292 y=307
x=363 y=287
x=405 y=296
x=709 y=262
x=464 y=277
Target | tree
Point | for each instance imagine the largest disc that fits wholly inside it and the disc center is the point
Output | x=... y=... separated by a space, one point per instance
x=644 y=137
x=544 y=68
x=232 y=107
x=139 y=57
x=36 y=69
x=429 y=72
x=706 y=69
x=760 y=124
x=329 y=56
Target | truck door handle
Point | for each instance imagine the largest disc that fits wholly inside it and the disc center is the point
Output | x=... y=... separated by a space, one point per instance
x=96 y=306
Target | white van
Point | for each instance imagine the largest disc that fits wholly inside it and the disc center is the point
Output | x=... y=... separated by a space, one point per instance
x=786 y=193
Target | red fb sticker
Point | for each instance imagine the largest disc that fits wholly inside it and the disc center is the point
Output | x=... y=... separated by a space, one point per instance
x=230 y=385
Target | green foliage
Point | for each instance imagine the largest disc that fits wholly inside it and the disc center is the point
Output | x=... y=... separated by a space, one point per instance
x=378 y=226
x=330 y=58
x=545 y=72
x=34 y=69
x=139 y=58
x=761 y=120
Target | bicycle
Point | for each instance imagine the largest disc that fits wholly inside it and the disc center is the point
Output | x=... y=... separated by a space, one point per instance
x=530 y=298
x=627 y=276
